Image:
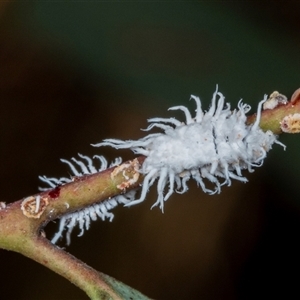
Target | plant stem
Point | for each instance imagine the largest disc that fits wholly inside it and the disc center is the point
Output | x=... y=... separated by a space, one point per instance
x=21 y=224
x=271 y=118
x=95 y=284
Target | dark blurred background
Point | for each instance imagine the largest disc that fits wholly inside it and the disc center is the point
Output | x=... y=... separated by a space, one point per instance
x=74 y=73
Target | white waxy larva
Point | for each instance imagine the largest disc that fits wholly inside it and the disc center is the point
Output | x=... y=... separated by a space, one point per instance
x=83 y=217
x=212 y=145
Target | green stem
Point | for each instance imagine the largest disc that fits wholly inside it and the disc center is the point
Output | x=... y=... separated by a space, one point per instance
x=21 y=225
x=272 y=118
x=96 y=285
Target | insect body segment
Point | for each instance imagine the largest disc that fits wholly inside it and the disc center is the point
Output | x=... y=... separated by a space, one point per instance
x=83 y=217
